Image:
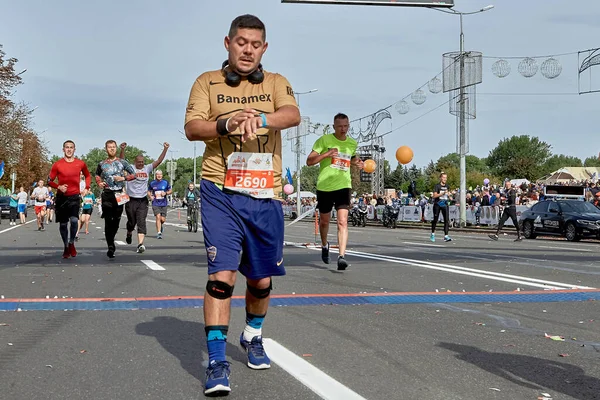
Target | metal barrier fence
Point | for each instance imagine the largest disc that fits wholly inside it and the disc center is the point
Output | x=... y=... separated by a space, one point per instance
x=488 y=215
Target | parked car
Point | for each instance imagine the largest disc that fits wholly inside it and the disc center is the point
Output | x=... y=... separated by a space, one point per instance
x=573 y=219
x=5 y=207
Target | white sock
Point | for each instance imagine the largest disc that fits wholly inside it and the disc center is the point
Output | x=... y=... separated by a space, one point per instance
x=250 y=332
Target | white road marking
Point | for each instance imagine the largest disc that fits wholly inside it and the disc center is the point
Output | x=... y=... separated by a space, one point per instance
x=482 y=273
x=309 y=375
x=152 y=265
x=16 y=226
x=468 y=271
x=564 y=248
x=98 y=227
x=177 y=225
x=424 y=244
x=120 y=243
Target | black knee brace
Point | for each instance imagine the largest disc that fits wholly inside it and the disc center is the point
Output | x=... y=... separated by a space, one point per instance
x=219 y=290
x=260 y=293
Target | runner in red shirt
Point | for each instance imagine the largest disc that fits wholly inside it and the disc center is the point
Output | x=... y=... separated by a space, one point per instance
x=68 y=196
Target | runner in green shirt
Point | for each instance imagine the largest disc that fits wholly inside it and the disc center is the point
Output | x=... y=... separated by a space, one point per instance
x=335 y=153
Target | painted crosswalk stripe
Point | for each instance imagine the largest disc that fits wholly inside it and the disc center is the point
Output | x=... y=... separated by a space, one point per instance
x=309 y=375
x=120 y=243
x=152 y=265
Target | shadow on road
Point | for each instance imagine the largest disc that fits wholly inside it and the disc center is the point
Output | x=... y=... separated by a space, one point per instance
x=185 y=340
x=531 y=372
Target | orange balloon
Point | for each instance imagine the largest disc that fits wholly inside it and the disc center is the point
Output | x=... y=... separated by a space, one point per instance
x=404 y=154
x=370 y=166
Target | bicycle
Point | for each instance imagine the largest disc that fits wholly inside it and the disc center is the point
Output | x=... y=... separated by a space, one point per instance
x=193 y=216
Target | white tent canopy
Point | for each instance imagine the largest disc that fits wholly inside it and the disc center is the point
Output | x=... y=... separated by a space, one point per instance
x=303 y=194
x=519 y=182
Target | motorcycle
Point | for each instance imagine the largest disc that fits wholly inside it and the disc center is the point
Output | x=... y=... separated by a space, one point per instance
x=358 y=215
x=361 y=213
x=390 y=215
x=354 y=216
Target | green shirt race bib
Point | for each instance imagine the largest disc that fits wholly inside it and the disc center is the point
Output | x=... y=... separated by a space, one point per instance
x=334 y=173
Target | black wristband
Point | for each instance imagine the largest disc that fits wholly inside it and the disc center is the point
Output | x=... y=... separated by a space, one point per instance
x=222 y=127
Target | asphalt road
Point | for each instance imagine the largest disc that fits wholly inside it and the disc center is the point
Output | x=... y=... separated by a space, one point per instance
x=409 y=319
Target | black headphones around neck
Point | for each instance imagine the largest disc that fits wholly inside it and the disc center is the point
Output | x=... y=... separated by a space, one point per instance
x=233 y=79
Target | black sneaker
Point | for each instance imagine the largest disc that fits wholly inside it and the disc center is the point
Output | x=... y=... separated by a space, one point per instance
x=342 y=263
x=493 y=236
x=128 y=239
x=325 y=254
x=111 y=252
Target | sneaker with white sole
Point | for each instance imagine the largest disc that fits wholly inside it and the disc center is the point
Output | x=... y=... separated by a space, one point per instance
x=141 y=248
x=257 y=358
x=217 y=378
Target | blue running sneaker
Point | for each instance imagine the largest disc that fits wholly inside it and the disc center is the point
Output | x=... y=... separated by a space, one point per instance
x=257 y=358
x=432 y=237
x=217 y=378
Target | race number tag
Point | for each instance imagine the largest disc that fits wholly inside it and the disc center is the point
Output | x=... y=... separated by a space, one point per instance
x=251 y=174
x=341 y=162
x=158 y=195
x=121 y=197
x=88 y=200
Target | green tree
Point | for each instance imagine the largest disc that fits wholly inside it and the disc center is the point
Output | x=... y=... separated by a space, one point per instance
x=593 y=161
x=472 y=163
x=184 y=174
x=308 y=178
x=519 y=157
x=451 y=160
x=558 y=161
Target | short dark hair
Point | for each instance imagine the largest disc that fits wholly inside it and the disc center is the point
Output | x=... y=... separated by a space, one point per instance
x=247 y=21
x=68 y=141
x=340 y=116
x=108 y=142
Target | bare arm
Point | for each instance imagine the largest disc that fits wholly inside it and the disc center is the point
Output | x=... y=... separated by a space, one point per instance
x=315 y=158
x=285 y=117
x=199 y=129
x=122 y=153
x=160 y=159
x=357 y=162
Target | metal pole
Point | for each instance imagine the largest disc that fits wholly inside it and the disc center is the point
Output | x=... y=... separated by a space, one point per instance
x=195 y=170
x=462 y=121
x=298 y=166
x=13 y=177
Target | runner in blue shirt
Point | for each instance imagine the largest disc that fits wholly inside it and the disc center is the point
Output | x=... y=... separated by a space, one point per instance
x=158 y=191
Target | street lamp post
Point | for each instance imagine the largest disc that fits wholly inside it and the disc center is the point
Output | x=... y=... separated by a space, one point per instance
x=172 y=172
x=298 y=155
x=195 y=170
x=461 y=114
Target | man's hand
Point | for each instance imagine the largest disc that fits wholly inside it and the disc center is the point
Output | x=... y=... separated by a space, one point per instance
x=360 y=164
x=331 y=153
x=166 y=145
x=247 y=122
x=118 y=178
x=123 y=145
x=102 y=185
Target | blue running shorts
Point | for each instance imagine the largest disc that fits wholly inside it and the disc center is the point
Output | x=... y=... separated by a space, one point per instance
x=236 y=223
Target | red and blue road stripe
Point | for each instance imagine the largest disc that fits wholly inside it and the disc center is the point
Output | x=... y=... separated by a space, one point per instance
x=298 y=300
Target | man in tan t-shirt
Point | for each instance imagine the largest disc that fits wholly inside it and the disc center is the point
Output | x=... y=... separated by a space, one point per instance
x=239 y=112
